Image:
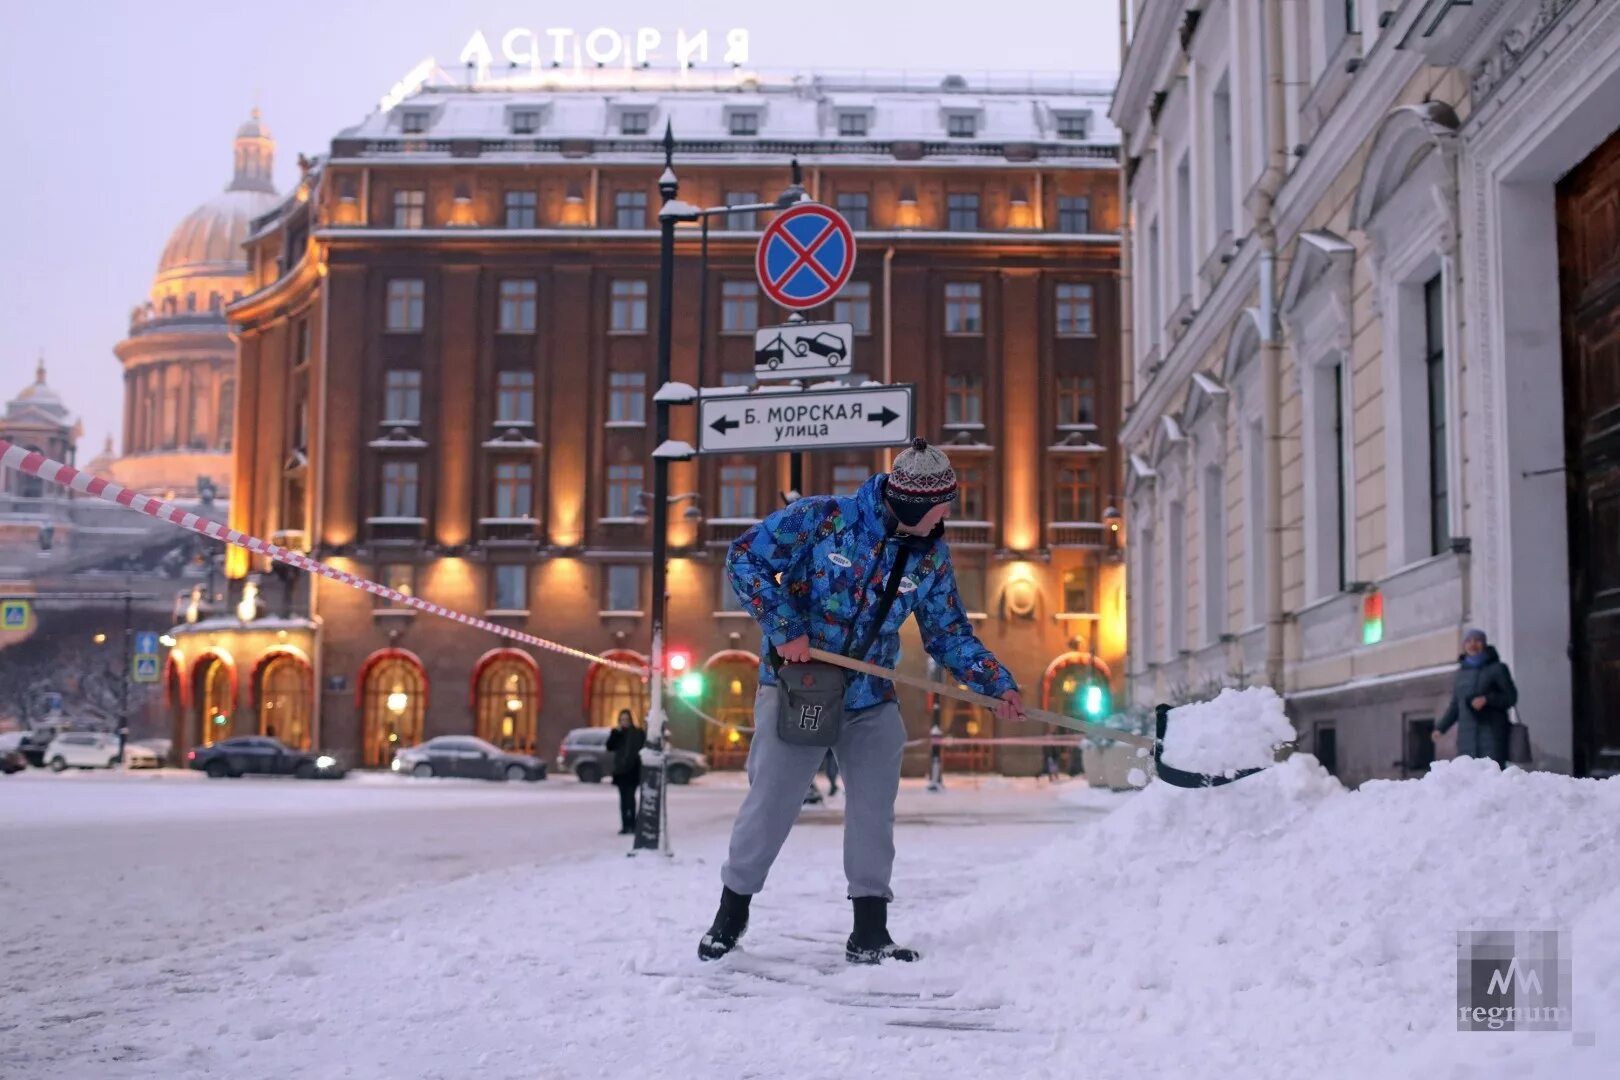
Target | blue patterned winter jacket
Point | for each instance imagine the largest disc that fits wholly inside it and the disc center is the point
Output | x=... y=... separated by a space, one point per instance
x=807 y=568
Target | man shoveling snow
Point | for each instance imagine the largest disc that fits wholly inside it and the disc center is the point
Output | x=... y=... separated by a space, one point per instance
x=842 y=574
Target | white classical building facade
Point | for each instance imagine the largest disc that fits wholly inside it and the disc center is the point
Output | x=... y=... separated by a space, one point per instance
x=1373 y=383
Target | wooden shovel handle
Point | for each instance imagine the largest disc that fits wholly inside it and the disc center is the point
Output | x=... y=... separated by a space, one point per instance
x=951 y=690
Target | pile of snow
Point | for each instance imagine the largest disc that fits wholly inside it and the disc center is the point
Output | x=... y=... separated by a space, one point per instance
x=1282 y=926
x=1239 y=729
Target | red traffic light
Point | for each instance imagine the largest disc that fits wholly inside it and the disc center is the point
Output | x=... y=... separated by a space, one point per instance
x=679 y=662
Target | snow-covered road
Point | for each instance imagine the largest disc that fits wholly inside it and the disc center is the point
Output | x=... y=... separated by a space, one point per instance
x=383 y=927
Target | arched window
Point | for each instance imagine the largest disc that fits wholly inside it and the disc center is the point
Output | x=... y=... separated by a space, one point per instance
x=214 y=697
x=284 y=692
x=506 y=700
x=732 y=679
x=607 y=690
x=393 y=702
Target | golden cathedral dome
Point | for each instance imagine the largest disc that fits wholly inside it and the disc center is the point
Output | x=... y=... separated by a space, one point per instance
x=207 y=244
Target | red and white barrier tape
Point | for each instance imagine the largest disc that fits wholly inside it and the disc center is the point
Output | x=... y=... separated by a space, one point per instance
x=948 y=741
x=37 y=464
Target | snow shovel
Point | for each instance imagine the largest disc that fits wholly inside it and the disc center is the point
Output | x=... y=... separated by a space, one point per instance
x=1168 y=773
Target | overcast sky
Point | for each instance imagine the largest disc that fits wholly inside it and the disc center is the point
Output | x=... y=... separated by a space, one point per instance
x=116 y=118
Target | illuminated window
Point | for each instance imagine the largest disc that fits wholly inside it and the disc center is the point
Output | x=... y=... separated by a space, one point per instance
x=402 y=396
x=1076 y=493
x=964 y=401
x=1079 y=590
x=406 y=301
x=401 y=577
x=739 y=307
x=627 y=397
x=854 y=306
x=518 y=303
x=623 y=490
x=629 y=307
x=399 y=489
x=514 y=397
x=410 y=208
x=630 y=210
x=520 y=210
x=739 y=491
x=963 y=308
x=1074 y=310
x=1076 y=401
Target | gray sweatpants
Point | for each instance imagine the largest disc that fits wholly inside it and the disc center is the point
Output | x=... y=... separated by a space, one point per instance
x=868 y=753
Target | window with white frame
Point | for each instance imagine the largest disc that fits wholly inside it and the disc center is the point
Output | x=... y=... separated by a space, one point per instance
x=514 y=489
x=627 y=398
x=1221 y=144
x=410 y=208
x=406 y=304
x=622 y=587
x=1144 y=635
x=854 y=306
x=963 y=308
x=628 y=307
x=1074 y=307
x=519 y=300
x=514 y=397
x=739 y=491
x=739 y=307
x=1212 y=500
x=1254 y=480
x=402 y=396
x=1434 y=366
x=509 y=587
x=624 y=487
x=399 y=489
x=1184 y=230
x=964 y=401
x=1155 y=304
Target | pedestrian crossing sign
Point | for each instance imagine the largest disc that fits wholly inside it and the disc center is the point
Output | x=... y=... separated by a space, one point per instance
x=16 y=615
x=146 y=669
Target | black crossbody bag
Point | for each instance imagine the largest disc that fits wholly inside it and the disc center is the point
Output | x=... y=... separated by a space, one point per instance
x=811 y=705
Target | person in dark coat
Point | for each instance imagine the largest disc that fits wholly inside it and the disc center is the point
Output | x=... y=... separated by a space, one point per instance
x=1481 y=696
x=626 y=742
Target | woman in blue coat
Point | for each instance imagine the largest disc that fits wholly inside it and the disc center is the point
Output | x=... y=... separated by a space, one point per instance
x=1481 y=695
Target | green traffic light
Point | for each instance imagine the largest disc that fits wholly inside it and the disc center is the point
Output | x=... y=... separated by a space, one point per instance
x=689 y=685
x=1094 y=701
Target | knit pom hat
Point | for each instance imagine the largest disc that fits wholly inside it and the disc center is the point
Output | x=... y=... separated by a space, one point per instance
x=920 y=479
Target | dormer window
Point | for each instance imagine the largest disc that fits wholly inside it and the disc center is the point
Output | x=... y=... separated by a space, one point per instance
x=634 y=122
x=1072 y=125
x=525 y=121
x=852 y=124
x=744 y=123
x=413 y=122
x=962 y=125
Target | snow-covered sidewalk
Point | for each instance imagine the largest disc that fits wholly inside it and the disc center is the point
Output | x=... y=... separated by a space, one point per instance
x=1279 y=927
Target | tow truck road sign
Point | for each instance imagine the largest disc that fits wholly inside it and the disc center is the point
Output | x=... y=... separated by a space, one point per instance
x=806 y=348
x=805 y=420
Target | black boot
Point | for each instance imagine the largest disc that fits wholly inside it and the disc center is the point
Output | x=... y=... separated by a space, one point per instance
x=871 y=943
x=730 y=923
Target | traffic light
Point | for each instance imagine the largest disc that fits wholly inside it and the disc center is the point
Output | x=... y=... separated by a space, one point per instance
x=1094 y=700
x=679 y=662
x=688 y=683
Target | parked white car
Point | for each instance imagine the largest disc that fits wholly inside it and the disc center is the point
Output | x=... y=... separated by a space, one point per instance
x=82 y=750
x=141 y=756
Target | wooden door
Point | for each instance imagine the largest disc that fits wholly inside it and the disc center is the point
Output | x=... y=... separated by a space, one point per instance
x=1589 y=281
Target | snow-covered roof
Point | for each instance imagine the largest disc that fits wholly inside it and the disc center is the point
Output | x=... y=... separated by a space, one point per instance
x=536 y=109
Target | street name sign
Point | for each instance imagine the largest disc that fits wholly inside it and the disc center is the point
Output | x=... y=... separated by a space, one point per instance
x=805 y=256
x=804 y=348
x=805 y=420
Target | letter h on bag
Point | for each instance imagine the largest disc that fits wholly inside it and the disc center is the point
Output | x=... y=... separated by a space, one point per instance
x=810 y=717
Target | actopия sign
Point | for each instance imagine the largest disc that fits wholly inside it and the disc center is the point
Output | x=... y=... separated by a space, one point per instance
x=602 y=46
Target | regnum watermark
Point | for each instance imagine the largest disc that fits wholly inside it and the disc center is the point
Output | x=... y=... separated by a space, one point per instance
x=1513 y=980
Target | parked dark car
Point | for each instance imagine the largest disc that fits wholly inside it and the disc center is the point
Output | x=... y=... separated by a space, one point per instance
x=11 y=755
x=260 y=755
x=34 y=744
x=467 y=757
x=584 y=753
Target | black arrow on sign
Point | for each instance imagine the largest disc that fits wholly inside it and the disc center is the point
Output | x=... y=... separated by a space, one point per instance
x=725 y=424
x=884 y=415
